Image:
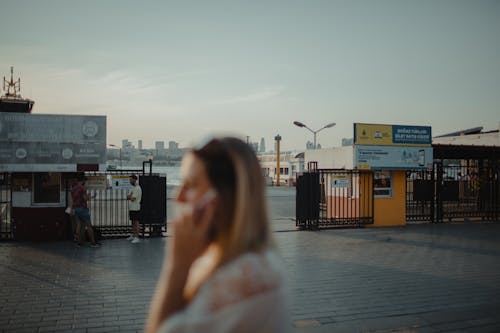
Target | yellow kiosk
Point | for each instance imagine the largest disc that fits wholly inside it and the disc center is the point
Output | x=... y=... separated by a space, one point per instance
x=389 y=151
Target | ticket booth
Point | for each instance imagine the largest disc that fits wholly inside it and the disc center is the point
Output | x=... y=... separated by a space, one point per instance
x=388 y=151
x=43 y=153
x=389 y=190
x=363 y=183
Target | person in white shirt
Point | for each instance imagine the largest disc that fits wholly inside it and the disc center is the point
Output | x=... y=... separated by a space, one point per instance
x=221 y=272
x=134 y=197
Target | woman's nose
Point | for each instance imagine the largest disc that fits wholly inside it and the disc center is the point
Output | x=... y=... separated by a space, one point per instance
x=181 y=195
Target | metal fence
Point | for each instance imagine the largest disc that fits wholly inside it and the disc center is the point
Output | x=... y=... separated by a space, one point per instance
x=5 y=206
x=109 y=207
x=453 y=192
x=420 y=188
x=329 y=197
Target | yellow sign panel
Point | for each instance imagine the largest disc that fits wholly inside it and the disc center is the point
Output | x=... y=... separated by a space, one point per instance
x=392 y=135
x=99 y=182
x=371 y=134
x=120 y=181
x=364 y=166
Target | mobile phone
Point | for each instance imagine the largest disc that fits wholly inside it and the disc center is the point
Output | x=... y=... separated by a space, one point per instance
x=205 y=199
x=200 y=205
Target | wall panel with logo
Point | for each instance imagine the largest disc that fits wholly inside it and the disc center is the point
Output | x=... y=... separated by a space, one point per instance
x=51 y=143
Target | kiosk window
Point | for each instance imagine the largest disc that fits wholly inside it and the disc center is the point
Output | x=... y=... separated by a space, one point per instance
x=21 y=182
x=382 y=184
x=46 y=187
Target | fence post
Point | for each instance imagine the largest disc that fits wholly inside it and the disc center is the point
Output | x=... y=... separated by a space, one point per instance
x=496 y=193
x=439 y=189
x=299 y=202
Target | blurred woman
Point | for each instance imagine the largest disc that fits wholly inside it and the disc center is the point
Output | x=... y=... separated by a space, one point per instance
x=221 y=272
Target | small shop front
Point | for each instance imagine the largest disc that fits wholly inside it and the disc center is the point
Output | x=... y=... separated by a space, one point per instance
x=366 y=182
x=388 y=151
x=42 y=155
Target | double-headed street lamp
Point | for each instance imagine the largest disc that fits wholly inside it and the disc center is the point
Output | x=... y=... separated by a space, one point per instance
x=299 y=124
x=115 y=146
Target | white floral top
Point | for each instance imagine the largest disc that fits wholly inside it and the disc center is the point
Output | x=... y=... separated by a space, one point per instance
x=245 y=295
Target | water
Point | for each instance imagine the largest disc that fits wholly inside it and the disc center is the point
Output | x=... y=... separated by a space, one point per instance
x=172 y=172
x=281 y=200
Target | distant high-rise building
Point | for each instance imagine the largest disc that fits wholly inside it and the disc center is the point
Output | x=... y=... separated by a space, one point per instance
x=172 y=145
x=309 y=145
x=159 y=145
x=139 y=144
x=126 y=144
x=347 y=142
x=255 y=146
x=262 y=146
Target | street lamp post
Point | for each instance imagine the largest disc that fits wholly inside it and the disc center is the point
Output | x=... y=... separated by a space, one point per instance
x=111 y=145
x=299 y=124
x=277 y=138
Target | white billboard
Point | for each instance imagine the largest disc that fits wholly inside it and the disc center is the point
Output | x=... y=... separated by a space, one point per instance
x=392 y=157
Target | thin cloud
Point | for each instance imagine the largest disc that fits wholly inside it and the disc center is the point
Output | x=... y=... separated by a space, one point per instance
x=265 y=94
x=124 y=81
x=184 y=75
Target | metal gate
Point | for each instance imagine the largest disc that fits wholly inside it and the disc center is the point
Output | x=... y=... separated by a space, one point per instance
x=330 y=197
x=6 y=231
x=153 y=205
x=453 y=193
x=467 y=192
x=109 y=207
x=420 y=197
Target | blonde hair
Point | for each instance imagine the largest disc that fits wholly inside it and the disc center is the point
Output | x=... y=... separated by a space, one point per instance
x=242 y=222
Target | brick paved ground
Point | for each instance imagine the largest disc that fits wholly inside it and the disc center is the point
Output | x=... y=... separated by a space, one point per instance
x=421 y=278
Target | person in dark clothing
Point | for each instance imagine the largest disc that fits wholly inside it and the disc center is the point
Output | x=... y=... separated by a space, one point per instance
x=79 y=198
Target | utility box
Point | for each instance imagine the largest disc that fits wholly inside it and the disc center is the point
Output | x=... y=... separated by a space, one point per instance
x=153 y=203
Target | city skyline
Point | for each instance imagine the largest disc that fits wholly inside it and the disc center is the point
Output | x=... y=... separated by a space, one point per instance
x=259 y=146
x=186 y=69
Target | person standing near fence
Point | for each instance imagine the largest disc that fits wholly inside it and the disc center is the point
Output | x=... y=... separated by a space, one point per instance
x=79 y=198
x=71 y=212
x=134 y=208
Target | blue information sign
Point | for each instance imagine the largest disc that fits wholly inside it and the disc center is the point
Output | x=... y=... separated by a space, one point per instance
x=414 y=135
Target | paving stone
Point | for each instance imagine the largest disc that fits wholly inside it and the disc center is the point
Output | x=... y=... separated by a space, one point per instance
x=490 y=328
x=106 y=329
x=306 y=323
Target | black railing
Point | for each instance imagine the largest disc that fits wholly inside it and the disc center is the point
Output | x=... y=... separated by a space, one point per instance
x=6 y=231
x=329 y=197
x=453 y=192
x=468 y=192
x=109 y=207
x=420 y=189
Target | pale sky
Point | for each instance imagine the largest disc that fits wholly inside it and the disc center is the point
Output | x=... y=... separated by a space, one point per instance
x=179 y=70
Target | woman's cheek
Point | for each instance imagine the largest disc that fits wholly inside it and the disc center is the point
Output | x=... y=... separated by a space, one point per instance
x=190 y=195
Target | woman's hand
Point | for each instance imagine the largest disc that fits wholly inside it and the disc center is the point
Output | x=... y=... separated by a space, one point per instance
x=191 y=233
x=190 y=240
